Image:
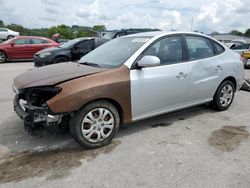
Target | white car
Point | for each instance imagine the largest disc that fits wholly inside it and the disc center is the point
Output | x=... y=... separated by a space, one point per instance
x=128 y=79
x=6 y=34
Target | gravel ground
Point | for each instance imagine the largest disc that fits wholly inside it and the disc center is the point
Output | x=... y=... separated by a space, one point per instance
x=197 y=147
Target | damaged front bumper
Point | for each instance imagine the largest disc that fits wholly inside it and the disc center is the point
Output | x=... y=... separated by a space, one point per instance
x=35 y=117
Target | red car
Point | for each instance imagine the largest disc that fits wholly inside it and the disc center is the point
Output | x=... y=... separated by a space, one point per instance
x=24 y=47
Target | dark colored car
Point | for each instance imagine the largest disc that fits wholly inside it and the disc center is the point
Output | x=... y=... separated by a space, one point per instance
x=23 y=48
x=72 y=50
x=119 y=33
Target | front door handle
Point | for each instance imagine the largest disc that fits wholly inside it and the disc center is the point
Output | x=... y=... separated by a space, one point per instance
x=219 y=68
x=181 y=75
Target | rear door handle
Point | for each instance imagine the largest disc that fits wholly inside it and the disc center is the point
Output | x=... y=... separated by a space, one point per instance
x=219 y=68
x=181 y=75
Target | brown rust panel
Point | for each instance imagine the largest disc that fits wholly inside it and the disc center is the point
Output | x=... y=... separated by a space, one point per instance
x=113 y=84
x=53 y=74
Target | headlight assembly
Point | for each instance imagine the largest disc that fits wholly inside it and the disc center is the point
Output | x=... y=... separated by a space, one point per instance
x=45 y=54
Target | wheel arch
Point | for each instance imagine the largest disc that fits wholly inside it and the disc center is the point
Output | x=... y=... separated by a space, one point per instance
x=117 y=105
x=61 y=55
x=233 y=80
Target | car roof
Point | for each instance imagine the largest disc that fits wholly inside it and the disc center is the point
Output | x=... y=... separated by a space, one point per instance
x=162 y=33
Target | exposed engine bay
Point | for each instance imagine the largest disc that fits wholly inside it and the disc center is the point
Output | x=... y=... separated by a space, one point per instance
x=30 y=105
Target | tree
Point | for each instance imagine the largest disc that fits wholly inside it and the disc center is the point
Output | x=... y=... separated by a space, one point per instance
x=1 y=23
x=215 y=33
x=247 y=33
x=236 y=32
x=63 y=30
x=99 y=28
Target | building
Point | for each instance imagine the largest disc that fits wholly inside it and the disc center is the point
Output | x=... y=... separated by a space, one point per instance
x=229 y=38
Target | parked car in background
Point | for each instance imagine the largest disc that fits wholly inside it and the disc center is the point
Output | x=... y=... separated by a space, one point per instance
x=246 y=56
x=240 y=47
x=23 y=48
x=128 y=79
x=119 y=33
x=72 y=50
x=6 y=34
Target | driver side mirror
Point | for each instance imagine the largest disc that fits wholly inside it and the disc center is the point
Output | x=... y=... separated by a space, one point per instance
x=149 y=61
x=12 y=44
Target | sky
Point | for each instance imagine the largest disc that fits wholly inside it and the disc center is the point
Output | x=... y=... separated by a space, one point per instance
x=182 y=15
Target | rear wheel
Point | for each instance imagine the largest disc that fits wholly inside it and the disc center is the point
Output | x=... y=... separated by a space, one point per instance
x=10 y=37
x=224 y=96
x=60 y=60
x=246 y=65
x=95 y=125
x=3 y=57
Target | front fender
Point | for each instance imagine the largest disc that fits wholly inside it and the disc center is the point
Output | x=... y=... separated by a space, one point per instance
x=113 y=84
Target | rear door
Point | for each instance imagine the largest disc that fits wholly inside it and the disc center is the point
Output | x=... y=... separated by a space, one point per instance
x=37 y=45
x=206 y=68
x=155 y=90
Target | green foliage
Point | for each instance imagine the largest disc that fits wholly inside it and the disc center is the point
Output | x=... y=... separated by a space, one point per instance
x=247 y=33
x=99 y=28
x=63 y=30
x=235 y=32
x=1 y=23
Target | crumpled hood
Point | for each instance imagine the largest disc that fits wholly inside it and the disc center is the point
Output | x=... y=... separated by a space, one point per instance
x=53 y=74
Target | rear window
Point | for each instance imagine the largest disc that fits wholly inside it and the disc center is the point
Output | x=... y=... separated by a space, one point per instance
x=39 y=41
x=218 y=48
x=199 y=47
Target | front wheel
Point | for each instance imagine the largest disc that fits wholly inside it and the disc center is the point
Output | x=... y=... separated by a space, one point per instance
x=95 y=125
x=224 y=96
x=60 y=60
x=3 y=57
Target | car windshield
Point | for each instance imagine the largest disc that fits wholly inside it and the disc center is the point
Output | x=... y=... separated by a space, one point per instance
x=70 y=43
x=109 y=35
x=114 y=53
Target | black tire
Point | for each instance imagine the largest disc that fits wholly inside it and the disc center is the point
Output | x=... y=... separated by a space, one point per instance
x=216 y=103
x=60 y=60
x=10 y=37
x=246 y=66
x=77 y=119
x=3 y=57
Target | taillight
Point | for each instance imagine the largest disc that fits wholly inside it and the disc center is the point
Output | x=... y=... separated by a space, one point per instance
x=242 y=59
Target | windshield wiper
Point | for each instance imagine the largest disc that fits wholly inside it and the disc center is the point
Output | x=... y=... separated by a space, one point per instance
x=91 y=64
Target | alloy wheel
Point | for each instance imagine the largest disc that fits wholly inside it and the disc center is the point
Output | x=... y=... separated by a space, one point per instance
x=2 y=57
x=226 y=95
x=97 y=125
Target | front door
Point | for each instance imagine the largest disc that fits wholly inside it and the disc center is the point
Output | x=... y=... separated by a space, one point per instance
x=81 y=49
x=20 y=49
x=155 y=90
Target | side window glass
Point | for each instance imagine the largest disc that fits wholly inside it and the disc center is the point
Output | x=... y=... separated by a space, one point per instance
x=239 y=47
x=219 y=49
x=36 y=41
x=39 y=41
x=169 y=50
x=85 y=46
x=22 y=41
x=199 y=47
x=121 y=34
